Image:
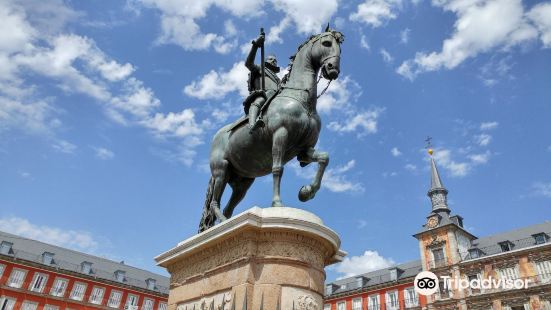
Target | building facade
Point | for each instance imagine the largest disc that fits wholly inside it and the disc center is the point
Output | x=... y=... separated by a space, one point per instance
x=450 y=251
x=35 y=275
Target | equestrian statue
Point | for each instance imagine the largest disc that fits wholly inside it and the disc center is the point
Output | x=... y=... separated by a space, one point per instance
x=281 y=123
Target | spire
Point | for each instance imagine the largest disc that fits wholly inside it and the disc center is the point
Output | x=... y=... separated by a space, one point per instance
x=438 y=194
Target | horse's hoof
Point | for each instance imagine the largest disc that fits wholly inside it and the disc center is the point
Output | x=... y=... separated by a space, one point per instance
x=306 y=193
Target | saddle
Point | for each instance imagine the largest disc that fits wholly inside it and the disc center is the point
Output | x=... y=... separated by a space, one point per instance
x=245 y=118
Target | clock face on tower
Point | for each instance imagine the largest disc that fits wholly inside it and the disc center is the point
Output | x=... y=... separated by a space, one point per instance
x=432 y=222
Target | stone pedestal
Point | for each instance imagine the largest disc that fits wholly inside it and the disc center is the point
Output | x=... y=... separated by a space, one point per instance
x=268 y=259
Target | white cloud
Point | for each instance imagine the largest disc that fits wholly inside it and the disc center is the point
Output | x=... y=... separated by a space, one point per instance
x=386 y=56
x=376 y=12
x=216 y=85
x=368 y=261
x=540 y=15
x=504 y=22
x=365 y=122
x=77 y=240
x=38 y=47
x=445 y=159
x=410 y=167
x=361 y=224
x=542 y=189
x=404 y=35
x=339 y=95
x=334 y=179
x=103 y=153
x=480 y=158
x=64 y=147
x=363 y=43
x=395 y=152
x=483 y=139
x=180 y=20
x=488 y=125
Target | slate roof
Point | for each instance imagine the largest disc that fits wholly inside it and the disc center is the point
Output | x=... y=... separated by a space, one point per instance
x=377 y=277
x=519 y=238
x=66 y=259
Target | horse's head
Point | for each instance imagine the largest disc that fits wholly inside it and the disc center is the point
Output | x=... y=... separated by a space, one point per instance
x=326 y=53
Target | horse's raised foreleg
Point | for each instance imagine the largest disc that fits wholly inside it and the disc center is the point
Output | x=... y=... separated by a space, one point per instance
x=239 y=187
x=308 y=192
x=220 y=175
x=279 y=145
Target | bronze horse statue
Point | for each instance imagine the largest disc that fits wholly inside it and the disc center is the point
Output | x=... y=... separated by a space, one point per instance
x=292 y=127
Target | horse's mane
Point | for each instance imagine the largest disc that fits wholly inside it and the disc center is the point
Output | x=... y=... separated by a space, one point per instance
x=338 y=36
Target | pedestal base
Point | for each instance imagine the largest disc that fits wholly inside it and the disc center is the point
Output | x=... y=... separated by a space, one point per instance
x=267 y=259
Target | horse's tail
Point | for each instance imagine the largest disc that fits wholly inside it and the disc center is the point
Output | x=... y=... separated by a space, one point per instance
x=208 y=218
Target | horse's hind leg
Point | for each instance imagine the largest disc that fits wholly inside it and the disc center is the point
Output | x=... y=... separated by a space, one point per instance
x=308 y=192
x=220 y=174
x=239 y=186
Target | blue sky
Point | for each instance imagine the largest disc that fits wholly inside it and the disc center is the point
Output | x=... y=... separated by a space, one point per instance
x=107 y=109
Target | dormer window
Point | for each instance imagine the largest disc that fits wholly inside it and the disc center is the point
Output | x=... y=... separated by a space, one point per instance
x=360 y=281
x=394 y=274
x=541 y=238
x=5 y=248
x=47 y=258
x=475 y=253
x=86 y=267
x=119 y=275
x=150 y=283
x=506 y=246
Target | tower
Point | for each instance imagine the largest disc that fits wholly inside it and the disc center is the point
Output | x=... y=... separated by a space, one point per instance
x=443 y=241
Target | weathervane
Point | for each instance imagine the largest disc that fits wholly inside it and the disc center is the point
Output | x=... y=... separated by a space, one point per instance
x=428 y=145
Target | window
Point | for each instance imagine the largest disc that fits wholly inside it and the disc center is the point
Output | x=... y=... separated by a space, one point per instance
x=357 y=304
x=16 y=278
x=373 y=303
x=27 y=305
x=38 y=283
x=411 y=297
x=148 y=304
x=114 y=299
x=444 y=291
x=540 y=238
x=2 y=268
x=438 y=257
x=474 y=253
x=473 y=277
x=119 y=275
x=544 y=271
x=328 y=289
x=150 y=284
x=47 y=258
x=78 y=291
x=58 y=289
x=327 y=307
x=392 y=300
x=132 y=300
x=5 y=248
x=341 y=305
x=97 y=295
x=510 y=273
x=51 y=307
x=506 y=246
x=86 y=267
x=393 y=274
x=7 y=303
x=162 y=306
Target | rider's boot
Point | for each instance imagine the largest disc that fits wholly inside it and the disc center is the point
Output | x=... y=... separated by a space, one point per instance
x=254 y=120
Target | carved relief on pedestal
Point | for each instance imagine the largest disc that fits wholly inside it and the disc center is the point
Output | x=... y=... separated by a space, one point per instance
x=306 y=302
x=246 y=245
x=221 y=301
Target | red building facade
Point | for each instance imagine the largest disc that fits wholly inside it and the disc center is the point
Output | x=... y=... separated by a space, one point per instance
x=35 y=275
x=385 y=289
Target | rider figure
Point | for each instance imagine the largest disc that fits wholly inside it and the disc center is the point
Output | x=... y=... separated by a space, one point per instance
x=257 y=96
